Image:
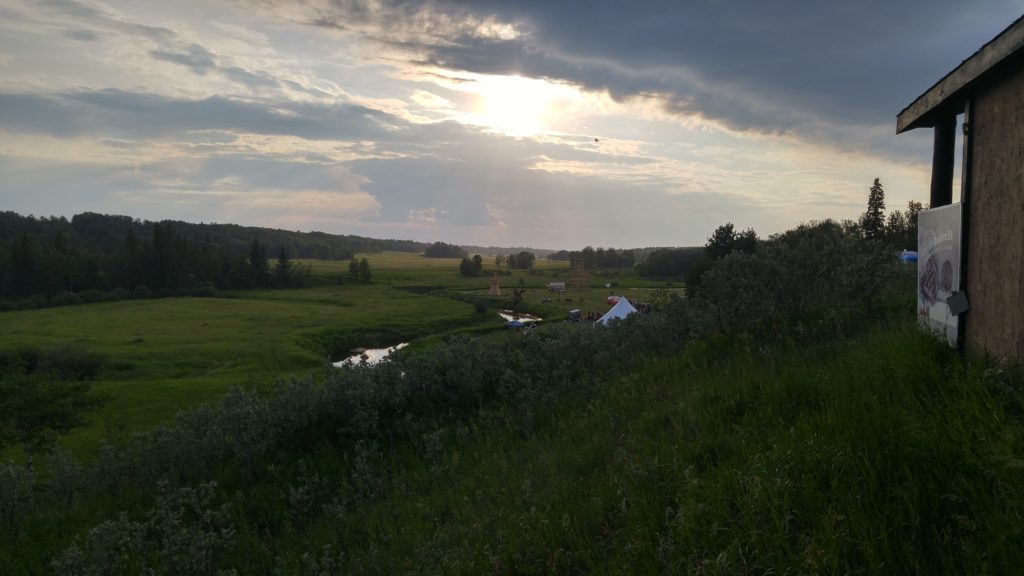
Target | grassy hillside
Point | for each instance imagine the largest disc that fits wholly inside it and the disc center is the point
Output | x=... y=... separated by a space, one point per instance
x=884 y=453
x=880 y=455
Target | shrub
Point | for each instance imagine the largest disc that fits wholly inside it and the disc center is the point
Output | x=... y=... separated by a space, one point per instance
x=64 y=361
x=207 y=291
x=480 y=305
x=16 y=495
x=71 y=362
x=65 y=299
x=6 y=305
x=92 y=295
x=141 y=292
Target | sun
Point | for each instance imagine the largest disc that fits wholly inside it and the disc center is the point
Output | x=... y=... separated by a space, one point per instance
x=518 y=106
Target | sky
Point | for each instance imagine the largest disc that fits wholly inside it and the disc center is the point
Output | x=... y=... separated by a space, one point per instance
x=553 y=124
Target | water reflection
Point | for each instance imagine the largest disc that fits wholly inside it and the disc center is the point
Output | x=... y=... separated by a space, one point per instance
x=509 y=316
x=370 y=356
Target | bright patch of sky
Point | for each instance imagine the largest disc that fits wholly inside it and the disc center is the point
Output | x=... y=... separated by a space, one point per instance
x=507 y=123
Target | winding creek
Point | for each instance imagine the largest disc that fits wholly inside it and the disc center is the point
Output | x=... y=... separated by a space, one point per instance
x=371 y=356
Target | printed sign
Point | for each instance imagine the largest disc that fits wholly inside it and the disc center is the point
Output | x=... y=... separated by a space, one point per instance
x=938 y=268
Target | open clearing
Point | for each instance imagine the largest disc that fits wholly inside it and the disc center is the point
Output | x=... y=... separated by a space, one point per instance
x=164 y=355
x=167 y=354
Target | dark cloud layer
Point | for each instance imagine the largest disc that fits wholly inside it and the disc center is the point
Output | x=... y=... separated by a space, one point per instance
x=753 y=65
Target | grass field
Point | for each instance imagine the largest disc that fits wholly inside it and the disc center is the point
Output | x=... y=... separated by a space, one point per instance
x=164 y=355
x=168 y=354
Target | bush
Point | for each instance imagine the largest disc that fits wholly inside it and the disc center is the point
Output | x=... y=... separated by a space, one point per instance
x=36 y=405
x=6 y=305
x=480 y=305
x=65 y=299
x=65 y=362
x=817 y=269
x=207 y=291
x=71 y=362
x=141 y=292
x=92 y=295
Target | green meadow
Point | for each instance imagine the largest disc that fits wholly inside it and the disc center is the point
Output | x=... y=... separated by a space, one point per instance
x=168 y=354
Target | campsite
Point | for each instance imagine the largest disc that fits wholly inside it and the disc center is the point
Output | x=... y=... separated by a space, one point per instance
x=437 y=287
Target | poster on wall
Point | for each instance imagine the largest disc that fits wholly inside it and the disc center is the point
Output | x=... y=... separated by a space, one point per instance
x=938 y=268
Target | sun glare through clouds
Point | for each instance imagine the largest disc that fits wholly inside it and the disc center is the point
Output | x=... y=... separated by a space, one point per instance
x=518 y=106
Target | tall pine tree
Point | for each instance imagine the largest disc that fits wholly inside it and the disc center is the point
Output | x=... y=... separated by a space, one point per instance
x=258 y=262
x=872 y=222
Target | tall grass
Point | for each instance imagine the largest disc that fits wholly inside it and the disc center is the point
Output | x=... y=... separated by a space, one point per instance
x=881 y=455
x=884 y=453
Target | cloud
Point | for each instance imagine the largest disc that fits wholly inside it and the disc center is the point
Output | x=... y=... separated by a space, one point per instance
x=359 y=119
x=82 y=35
x=122 y=114
x=202 y=61
x=195 y=57
x=750 y=65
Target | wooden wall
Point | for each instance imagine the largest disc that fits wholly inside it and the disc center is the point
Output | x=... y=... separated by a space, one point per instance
x=995 y=275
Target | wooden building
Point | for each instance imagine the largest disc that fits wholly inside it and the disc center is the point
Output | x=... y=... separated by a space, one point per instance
x=988 y=90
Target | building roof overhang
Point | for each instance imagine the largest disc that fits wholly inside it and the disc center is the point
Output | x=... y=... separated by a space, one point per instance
x=948 y=95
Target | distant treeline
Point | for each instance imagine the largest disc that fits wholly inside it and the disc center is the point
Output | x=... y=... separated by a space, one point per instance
x=42 y=258
x=495 y=250
x=596 y=258
x=444 y=250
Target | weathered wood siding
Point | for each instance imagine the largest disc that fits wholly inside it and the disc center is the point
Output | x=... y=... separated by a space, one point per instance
x=995 y=275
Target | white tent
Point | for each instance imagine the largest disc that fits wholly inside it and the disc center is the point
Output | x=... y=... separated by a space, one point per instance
x=621 y=309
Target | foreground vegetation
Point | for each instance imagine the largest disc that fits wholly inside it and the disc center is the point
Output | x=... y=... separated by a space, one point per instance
x=879 y=453
x=787 y=419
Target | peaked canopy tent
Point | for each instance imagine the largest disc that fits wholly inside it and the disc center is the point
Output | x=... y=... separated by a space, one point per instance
x=621 y=309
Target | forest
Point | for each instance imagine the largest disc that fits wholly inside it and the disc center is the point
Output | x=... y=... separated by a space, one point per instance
x=92 y=257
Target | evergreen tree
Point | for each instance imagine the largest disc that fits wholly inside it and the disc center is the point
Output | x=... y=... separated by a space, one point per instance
x=353 y=268
x=23 y=265
x=913 y=208
x=258 y=263
x=283 y=268
x=896 y=229
x=872 y=222
x=364 y=270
